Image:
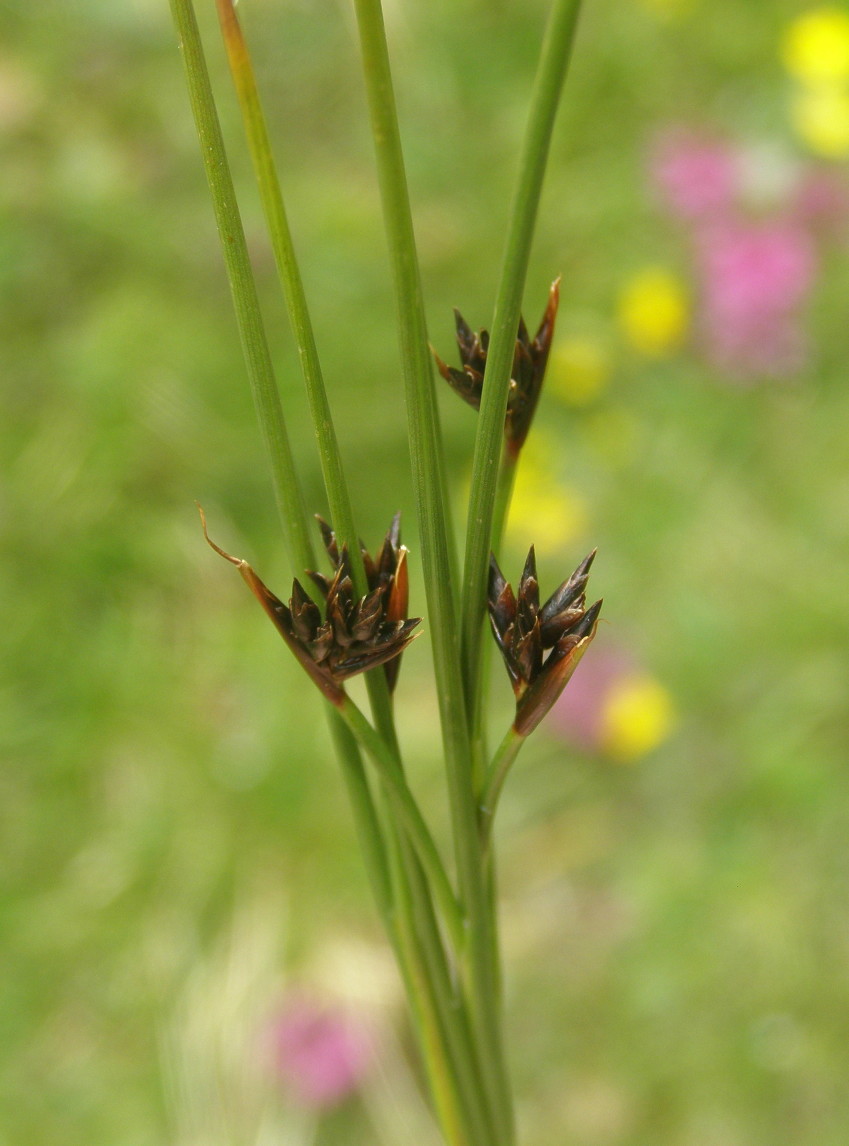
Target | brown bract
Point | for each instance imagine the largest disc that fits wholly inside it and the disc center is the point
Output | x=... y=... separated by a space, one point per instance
x=530 y=358
x=541 y=645
x=354 y=634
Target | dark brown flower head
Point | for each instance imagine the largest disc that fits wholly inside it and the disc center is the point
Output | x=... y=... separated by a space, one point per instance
x=352 y=636
x=386 y=577
x=529 y=361
x=541 y=645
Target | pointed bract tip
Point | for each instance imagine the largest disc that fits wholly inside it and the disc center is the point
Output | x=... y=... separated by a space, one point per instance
x=584 y=567
x=238 y=561
x=587 y=624
x=443 y=367
x=394 y=531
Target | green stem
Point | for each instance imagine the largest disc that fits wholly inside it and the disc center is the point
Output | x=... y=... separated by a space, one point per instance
x=423 y=944
x=408 y=810
x=459 y=1052
x=407 y=918
x=369 y=832
x=432 y=502
x=551 y=73
x=503 y=495
x=435 y=1013
x=409 y=923
x=272 y=424
x=505 y=754
x=265 y=170
x=432 y=499
x=243 y=288
x=287 y=266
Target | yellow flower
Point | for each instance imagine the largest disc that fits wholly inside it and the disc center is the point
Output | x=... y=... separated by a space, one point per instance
x=654 y=311
x=543 y=512
x=578 y=369
x=816 y=46
x=638 y=715
x=820 y=116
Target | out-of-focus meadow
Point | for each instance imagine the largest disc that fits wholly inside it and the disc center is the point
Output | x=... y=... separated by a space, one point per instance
x=184 y=907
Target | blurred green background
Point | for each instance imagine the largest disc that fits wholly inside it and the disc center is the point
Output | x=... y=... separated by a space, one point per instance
x=177 y=850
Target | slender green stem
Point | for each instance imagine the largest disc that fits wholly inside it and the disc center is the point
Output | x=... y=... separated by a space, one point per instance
x=435 y=1015
x=459 y=1045
x=432 y=505
x=425 y=440
x=460 y=1052
x=288 y=269
x=262 y=156
x=404 y=801
x=243 y=288
x=500 y=764
x=426 y=454
x=554 y=59
x=503 y=495
x=406 y=914
x=447 y=1047
x=369 y=832
x=270 y=411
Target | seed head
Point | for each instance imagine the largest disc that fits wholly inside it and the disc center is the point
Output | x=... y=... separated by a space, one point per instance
x=529 y=361
x=353 y=635
x=541 y=645
x=386 y=577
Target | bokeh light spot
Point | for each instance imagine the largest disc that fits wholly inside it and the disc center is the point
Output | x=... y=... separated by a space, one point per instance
x=820 y=117
x=816 y=46
x=654 y=312
x=579 y=370
x=638 y=716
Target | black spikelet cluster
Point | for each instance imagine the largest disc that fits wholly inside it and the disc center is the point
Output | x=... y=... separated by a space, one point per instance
x=541 y=644
x=530 y=358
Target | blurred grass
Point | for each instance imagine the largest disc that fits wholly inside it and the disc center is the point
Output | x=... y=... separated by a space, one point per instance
x=677 y=932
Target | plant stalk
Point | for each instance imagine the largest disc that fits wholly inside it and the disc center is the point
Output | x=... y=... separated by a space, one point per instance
x=551 y=74
x=243 y=288
x=480 y=973
x=409 y=814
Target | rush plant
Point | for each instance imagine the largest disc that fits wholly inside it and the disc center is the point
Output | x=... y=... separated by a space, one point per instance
x=439 y=917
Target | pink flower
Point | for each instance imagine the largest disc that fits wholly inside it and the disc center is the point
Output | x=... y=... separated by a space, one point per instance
x=754 y=279
x=751 y=217
x=320 y=1052
x=695 y=176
